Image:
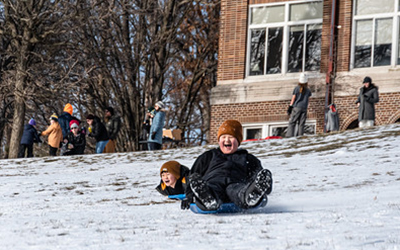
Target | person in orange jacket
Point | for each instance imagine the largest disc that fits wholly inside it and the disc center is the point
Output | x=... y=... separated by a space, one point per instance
x=55 y=135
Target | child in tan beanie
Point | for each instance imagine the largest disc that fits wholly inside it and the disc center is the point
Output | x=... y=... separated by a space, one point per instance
x=227 y=174
x=173 y=178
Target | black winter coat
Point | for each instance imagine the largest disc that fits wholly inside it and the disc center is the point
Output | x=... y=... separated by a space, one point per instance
x=30 y=135
x=113 y=125
x=241 y=166
x=78 y=141
x=221 y=170
x=64 y=120
x=99 y=131
x=367 y=99
x=180 y=186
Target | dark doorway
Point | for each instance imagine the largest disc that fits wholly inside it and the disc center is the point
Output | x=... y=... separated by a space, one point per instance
x=353 y=125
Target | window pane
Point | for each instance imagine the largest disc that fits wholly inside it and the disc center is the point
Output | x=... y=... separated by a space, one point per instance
x=313 y=48
x=253 y=133
x=296 y=38
x=398 y=52
x=274 y=54
x=257 y=53
x=306 y=11
x=279 y=131
x=271 y=14
x=364 y=7
x=383 y=42
x=363 y=44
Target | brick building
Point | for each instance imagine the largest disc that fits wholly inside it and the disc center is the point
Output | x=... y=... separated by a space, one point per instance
x=265 y=44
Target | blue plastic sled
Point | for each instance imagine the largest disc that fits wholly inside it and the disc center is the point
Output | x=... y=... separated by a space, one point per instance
x=177 y=196
x=228 y=208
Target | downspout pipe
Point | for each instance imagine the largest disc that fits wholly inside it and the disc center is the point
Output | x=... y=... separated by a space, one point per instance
x=330 y=73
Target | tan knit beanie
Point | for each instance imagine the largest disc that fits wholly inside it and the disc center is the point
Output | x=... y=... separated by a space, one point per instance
x=172 y=167
x=233 y=128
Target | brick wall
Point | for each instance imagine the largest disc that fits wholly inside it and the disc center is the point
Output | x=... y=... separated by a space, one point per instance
x=261 y=112
x=232 y=40
x=345 y=8
x=387 y=112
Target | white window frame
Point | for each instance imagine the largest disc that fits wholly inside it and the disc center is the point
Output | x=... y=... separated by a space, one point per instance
x=395 y=15
x=266 y=128
x=286 y=24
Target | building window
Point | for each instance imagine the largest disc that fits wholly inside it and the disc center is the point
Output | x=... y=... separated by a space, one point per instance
x=284 y=38
x=261 y=131
x=375 y=22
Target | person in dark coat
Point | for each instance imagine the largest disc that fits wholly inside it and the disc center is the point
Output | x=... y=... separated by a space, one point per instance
x=227 y=174
x=298 y=107
x=75 y=141
x=65 y=118
x=173 y=178
x=98 y=131
x=366 y=100
x=29 y=136
x=113 y=125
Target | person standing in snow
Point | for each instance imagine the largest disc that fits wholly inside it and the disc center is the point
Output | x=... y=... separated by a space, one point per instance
x=366 y=100
x=29 y=136
x=113 y=125
x=173 y=178
x=156 y=129
x=98 y=131
x=55 y=135
x=65 y=118
x=298 y=107
x=227 y=174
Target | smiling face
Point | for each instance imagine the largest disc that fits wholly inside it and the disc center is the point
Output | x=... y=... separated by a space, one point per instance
x=168 y=179
x=228 y=144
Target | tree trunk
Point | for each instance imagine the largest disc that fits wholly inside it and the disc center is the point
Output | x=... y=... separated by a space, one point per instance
x=17 y=127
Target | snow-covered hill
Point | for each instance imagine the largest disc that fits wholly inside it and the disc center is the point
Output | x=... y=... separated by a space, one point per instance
x=337 y=191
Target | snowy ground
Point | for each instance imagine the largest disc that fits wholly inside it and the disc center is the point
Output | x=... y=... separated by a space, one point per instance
x=339 y=191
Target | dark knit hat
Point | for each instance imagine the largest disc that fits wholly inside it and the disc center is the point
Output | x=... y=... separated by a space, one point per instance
x=367 y=79
x=90 y=117
x=32 y=122
x=233 y=128
x=172 y=167
x=111 y=109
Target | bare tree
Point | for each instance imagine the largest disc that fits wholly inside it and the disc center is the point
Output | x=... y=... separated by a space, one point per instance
x=36 y=30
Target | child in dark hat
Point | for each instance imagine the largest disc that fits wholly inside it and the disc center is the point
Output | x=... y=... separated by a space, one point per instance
x=29 y=136
x=227 y=174
x=173 y=178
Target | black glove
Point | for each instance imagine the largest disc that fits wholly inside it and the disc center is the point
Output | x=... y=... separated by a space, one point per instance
x=153 y=135
x=289 y=110
x=185 y=203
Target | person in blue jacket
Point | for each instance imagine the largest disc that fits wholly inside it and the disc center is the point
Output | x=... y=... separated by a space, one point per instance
x=156 y=129
x=29 y=136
